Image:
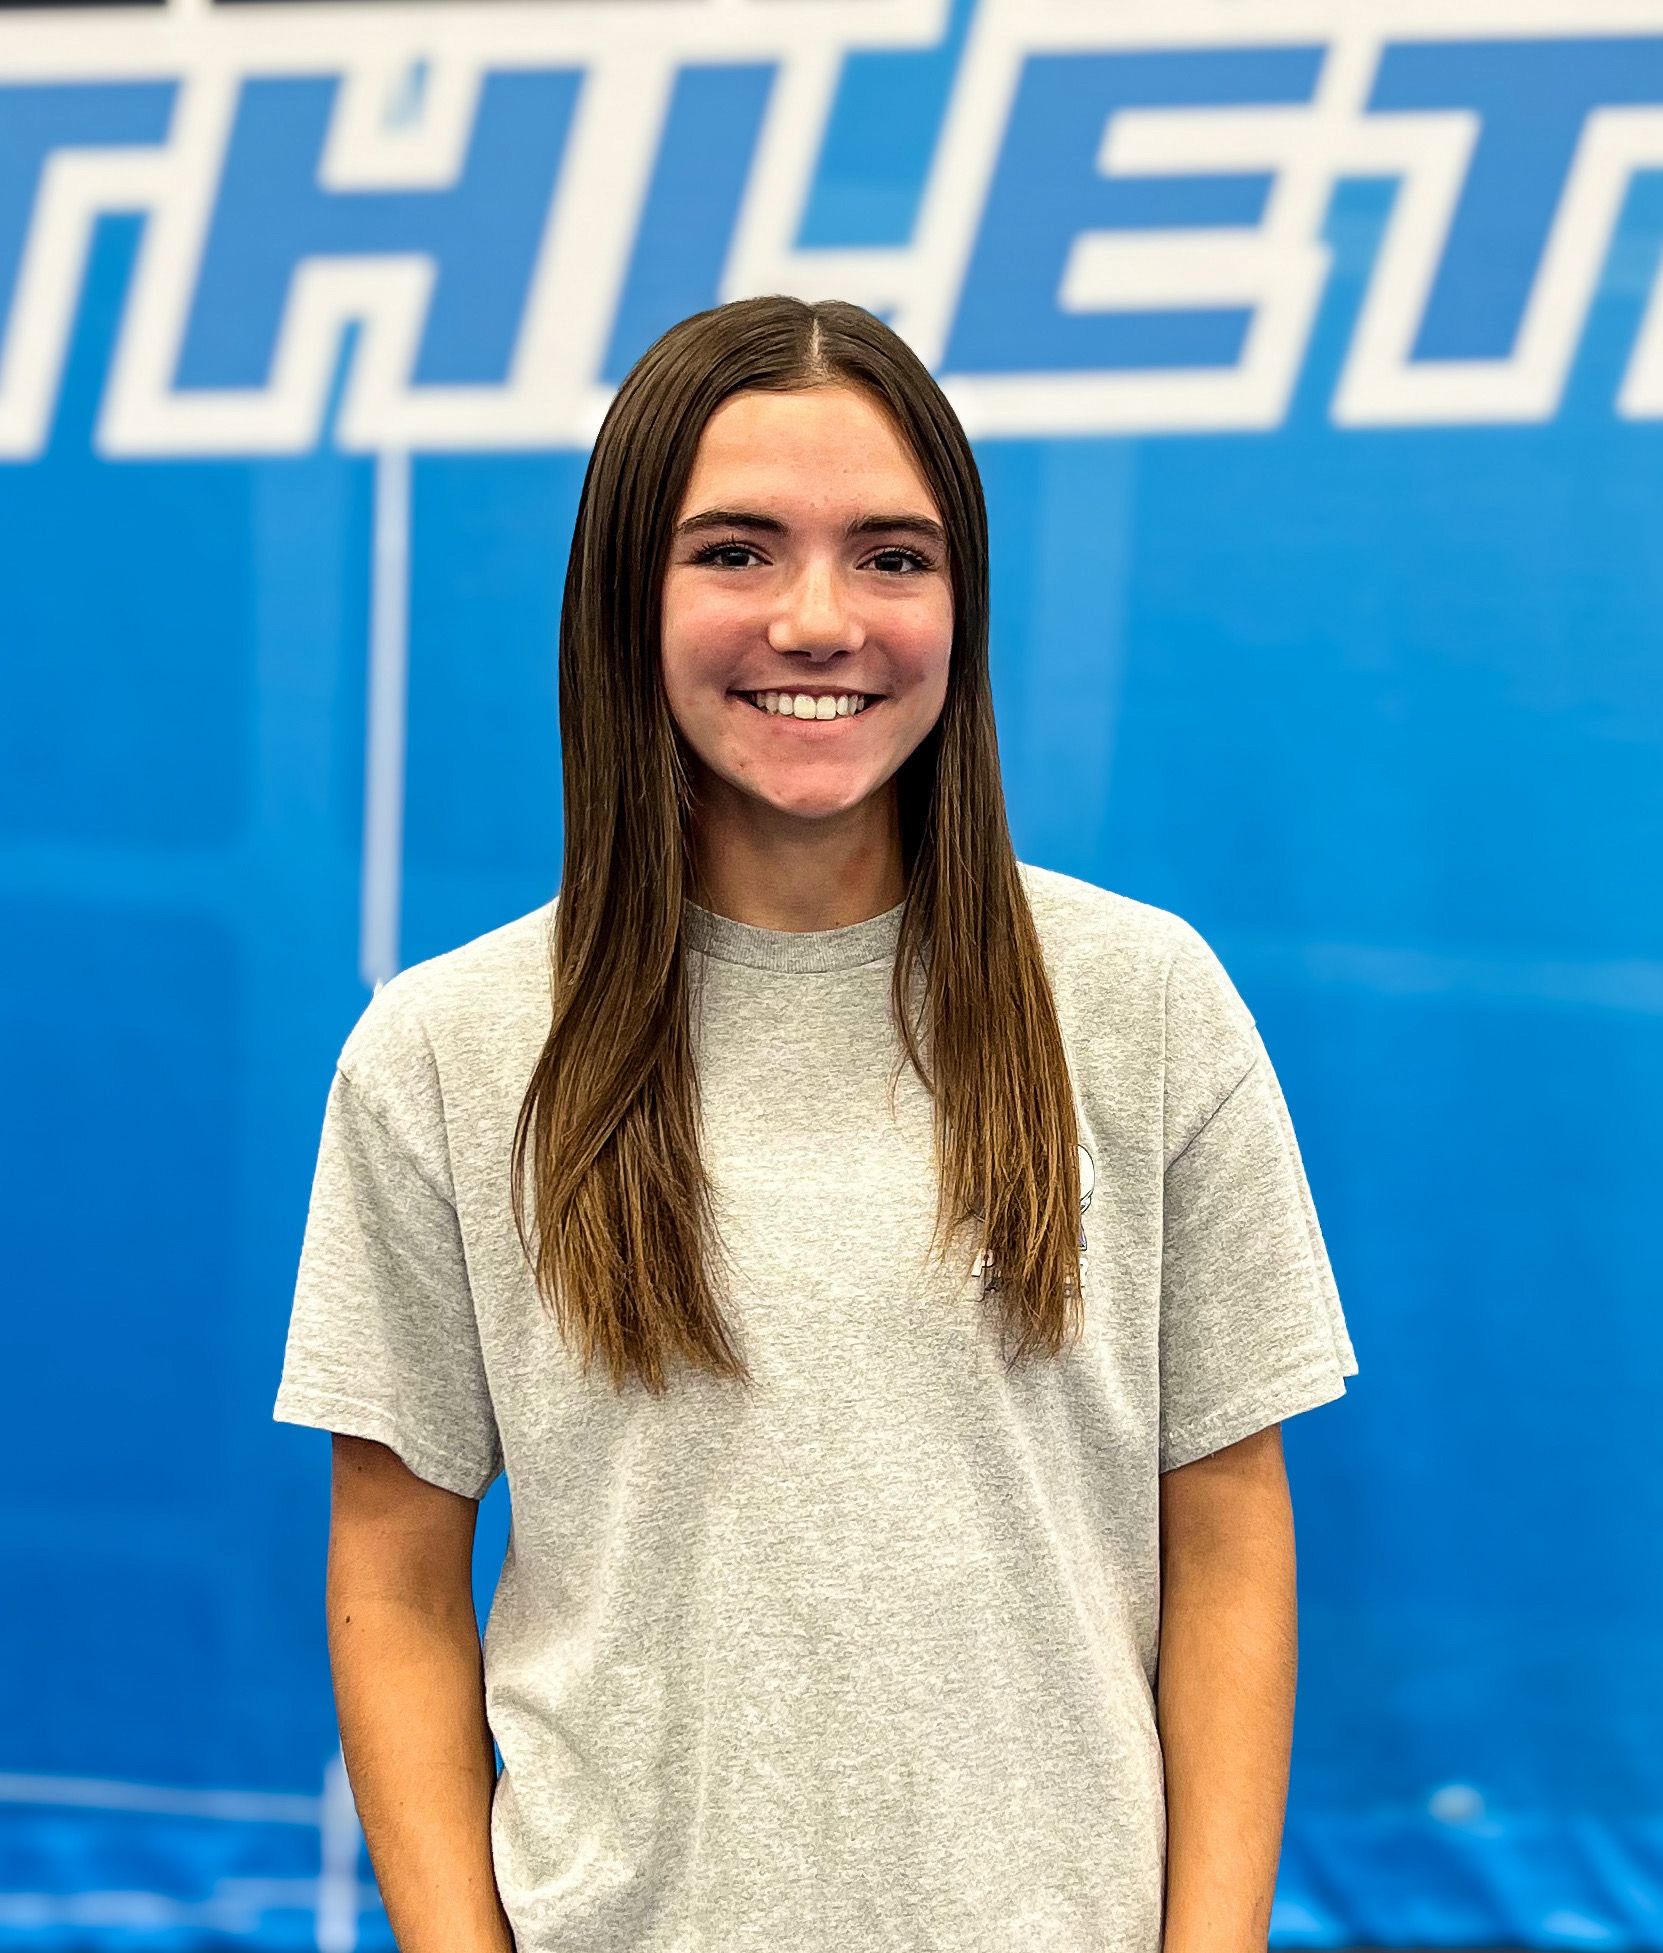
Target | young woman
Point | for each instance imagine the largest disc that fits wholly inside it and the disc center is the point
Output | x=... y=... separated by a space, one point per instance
x=880 y=1267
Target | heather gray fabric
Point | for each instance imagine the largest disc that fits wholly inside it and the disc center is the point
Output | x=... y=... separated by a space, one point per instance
x=865 y=1659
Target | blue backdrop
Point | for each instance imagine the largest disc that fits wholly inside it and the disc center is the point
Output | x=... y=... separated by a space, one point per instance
x=1320 y=413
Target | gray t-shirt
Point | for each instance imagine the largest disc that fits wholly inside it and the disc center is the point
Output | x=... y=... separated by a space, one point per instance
x=864 y=1659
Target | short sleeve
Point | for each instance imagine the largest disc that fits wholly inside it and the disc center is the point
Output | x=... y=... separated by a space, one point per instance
x=1251 y=1328
x=383 y=1342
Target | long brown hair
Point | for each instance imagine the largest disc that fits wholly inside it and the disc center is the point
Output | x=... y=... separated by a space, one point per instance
x=624 y=1216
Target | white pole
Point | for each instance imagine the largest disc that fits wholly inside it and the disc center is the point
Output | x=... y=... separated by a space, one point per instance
x=378 y=945
x=339 y=1843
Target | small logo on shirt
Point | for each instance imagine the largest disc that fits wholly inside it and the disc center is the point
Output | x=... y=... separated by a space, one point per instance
x=983 y=1265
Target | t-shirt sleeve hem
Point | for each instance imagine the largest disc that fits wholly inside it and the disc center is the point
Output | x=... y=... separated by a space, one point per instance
x=325 y=1412
x=1319 y=1383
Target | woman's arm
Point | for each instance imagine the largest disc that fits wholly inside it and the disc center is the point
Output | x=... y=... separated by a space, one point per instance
x=410 y=1698
x=1225 y=1691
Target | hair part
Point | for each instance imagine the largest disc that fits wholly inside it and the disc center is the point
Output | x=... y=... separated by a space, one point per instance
x=626 y=1244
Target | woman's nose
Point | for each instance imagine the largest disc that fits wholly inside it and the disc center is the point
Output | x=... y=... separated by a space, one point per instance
x=816 y=611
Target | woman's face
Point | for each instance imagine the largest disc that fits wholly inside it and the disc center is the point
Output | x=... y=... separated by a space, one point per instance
x=770 y=587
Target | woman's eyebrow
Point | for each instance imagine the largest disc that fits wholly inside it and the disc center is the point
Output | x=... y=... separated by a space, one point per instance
x=865 y=525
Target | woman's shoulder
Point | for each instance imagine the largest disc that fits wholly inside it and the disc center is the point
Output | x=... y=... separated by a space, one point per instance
x=460 y=1005
x=1144 y=980
x=1085 y=922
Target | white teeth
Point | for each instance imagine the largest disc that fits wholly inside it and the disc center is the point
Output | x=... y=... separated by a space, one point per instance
x=801 y=705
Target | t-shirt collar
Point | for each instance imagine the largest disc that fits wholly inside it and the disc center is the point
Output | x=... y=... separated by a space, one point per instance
x=871 y=941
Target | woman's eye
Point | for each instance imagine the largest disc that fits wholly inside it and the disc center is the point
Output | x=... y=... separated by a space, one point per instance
x=712 y=552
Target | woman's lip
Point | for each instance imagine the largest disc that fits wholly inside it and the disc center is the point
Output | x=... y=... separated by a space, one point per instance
x=842 y=718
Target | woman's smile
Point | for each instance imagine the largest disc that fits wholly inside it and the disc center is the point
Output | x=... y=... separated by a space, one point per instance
x=790 y=722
